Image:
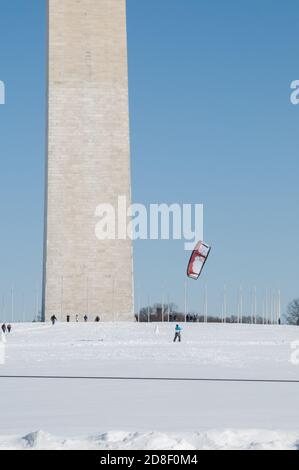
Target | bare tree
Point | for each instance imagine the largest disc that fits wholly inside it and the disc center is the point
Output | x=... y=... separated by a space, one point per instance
x=292 y=315
x=154 y=312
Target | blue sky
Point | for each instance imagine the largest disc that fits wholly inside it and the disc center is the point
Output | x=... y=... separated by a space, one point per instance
x=211 y=123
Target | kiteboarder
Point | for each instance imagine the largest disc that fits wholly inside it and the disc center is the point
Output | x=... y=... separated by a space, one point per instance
x=177 y=335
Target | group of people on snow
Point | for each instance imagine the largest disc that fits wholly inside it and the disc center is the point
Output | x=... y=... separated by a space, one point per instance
x=68 y=319
x=6 y=328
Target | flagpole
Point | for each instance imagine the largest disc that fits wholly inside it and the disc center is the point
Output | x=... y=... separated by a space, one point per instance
x=206 y=304
x=185 y=300
x=12 y=304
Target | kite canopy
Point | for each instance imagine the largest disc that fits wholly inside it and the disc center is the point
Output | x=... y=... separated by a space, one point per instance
x=197 y=260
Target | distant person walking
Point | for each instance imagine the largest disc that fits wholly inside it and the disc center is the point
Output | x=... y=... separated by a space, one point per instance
x=178 y=331
x=68 y=318
x=9 y=328
x=53 y=320
x=86 y=318
x=3 y=328
x=97 y=319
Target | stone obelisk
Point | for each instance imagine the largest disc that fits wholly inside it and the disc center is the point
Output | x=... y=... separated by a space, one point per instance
x=88 y=160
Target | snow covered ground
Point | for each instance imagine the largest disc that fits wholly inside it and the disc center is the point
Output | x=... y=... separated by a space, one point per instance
x=76 y=413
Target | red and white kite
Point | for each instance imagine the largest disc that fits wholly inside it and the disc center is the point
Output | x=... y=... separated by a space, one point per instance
x=197 y=260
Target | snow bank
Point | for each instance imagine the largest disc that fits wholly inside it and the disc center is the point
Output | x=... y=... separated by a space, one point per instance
x=211 y=440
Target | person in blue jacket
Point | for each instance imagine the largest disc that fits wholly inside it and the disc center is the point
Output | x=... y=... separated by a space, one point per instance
x=177 y=335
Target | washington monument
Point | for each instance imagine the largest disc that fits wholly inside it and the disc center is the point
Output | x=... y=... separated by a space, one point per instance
x=88 y=160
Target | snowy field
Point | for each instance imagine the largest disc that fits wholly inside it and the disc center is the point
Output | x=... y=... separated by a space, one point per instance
x=77 y=413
